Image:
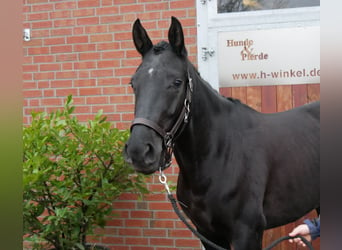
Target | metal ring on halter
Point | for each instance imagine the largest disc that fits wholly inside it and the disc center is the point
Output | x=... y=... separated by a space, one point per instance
x=163 y=180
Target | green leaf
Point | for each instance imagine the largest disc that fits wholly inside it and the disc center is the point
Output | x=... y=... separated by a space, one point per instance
x=71 y=174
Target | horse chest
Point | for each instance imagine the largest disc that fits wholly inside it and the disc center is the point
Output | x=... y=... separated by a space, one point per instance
x=199 y=207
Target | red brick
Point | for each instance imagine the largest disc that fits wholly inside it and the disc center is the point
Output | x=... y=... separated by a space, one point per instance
x=43 y=84
x=32 y=93
x=178 y=13
x=108 y=46
x=136 y=223
x=40 y=33
x=111 y=19
x=61 y=32
x=125 y=107
x=108 y=81
x=49 y=93
x=187 y=242
x=136 y=241
x=97 y=100
x=112 y=240
x=29 y=85
x=182 y=4
x=130 y=232
x=64 y=22
x=101 y=38
x=88 y=3
x=102 y=73
x=84 y=47
x=78 y=30
x=121 y=99
x=84 y=12
x=42 y=25
x=159 y=206
x=108 y=64
x=42 y=7
x=131 y=8
x=127 y=117
x=113 y=54
x=90 y=56
x=66 y=57
x=60 y=14
x=65 y=5
x=50 y=67
x=162 y=224
x=67 y=66
x=38 y=51
x=105 y=108
x=61 y=83
x=78 y=39
x=85 y=65
x=180 y=233
x=88 y=21
x=61 y=49
x=30 y=68
x=120 y=36
x=38 y=16
x=66 y=92
x=165 y=215
x=162 y=242
x=96 y=29
x=66 y=74
x=114 y=90
x=43 y=59
x=90 y=91
x=83 y=109
x=116 y=27
x=52 y=102
x=124 y=71
x=84 y=82
x=112 y=10
x=44 y=76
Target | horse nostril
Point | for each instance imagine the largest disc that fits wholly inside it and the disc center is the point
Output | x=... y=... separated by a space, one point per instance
x=149 y=154
x=127 y=158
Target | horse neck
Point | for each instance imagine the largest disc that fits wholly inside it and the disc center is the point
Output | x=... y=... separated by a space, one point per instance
x=192 y=142
x=208 y=110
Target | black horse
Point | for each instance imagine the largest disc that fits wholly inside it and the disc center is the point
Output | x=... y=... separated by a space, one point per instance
x=241 y=171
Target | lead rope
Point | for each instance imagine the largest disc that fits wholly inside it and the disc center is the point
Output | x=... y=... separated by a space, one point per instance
x=163 y=180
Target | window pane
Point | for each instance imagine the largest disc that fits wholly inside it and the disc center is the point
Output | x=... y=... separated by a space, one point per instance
x=224 y=6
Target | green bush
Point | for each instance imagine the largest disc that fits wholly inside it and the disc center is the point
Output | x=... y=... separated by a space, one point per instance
x=72 y=173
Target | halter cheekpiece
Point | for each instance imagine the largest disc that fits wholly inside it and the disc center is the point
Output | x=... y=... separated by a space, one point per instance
x=169 y=136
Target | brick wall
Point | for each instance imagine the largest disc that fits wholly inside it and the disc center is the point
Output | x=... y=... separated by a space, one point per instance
x=84 y=48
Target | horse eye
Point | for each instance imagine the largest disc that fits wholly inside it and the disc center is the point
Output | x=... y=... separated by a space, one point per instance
x=178 y=82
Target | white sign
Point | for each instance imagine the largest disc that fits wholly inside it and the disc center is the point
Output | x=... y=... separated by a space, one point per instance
x=269 y=57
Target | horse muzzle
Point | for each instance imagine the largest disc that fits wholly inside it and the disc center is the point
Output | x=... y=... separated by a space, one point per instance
x=144 y=150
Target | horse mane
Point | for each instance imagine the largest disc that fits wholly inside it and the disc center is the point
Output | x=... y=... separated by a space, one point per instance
x=230 y=99
x=233 y=100
x=161 y=46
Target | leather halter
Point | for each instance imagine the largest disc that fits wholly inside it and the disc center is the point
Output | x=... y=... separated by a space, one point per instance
x=169 y=136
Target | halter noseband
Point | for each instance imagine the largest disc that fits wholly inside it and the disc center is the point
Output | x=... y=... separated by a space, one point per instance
x=169 y=136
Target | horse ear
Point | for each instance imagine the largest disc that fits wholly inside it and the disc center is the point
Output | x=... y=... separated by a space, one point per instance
x=141 y=40
x=176 y=37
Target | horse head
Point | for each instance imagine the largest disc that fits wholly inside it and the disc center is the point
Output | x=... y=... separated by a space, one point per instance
x=160 y=88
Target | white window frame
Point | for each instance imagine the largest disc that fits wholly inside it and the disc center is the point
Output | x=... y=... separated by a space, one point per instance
x=209 y=23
